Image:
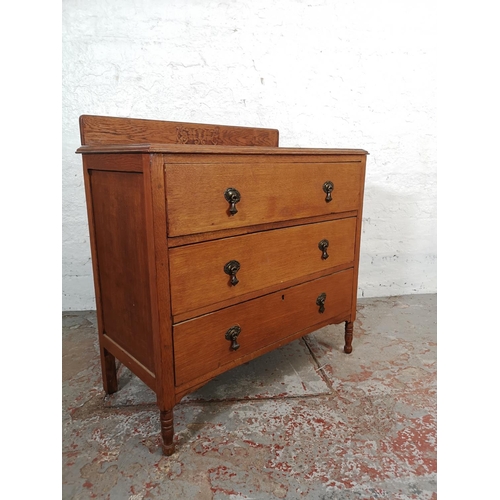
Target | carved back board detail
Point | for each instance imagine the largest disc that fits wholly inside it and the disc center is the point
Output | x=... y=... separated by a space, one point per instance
x=186 y=135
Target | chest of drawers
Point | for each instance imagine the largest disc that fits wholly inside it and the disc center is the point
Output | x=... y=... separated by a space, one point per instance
x=211 y=245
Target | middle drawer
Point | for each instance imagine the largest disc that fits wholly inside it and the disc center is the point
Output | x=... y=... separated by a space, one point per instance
x=212 y=272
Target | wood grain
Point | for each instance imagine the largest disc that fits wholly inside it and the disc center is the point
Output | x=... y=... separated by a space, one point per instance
x=225 y=152
x=266 y=258
x=269 y=192
x=194 y=384
x=218 y=154
x=297 y=280
x=122 y=254
x=357 y=247
x=263 y=321
x=120 y=162
x=108 y=362
x=188 y=239
x=115 y=130
x=130 y=361
x=160 y=281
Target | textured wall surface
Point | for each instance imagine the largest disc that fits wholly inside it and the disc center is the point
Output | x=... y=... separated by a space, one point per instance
x=354 y=74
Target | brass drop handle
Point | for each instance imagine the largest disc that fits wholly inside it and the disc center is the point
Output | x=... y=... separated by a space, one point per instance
x=232 y=335
x=232 y=196
x=323 y=245
x=328 y=188
x=320 y=301
x=231 y=268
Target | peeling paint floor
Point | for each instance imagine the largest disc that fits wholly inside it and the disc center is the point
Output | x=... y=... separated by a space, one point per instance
x=305 y=421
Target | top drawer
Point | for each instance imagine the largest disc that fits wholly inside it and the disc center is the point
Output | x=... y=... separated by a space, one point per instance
x=268 y=192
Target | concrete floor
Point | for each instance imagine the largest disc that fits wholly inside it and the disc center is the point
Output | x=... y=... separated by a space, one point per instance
x=305 y=421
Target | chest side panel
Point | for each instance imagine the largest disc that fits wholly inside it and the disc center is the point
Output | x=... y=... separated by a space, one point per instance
x=119 y=227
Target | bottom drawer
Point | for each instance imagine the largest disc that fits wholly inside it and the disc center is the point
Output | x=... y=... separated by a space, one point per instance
x=200 y=344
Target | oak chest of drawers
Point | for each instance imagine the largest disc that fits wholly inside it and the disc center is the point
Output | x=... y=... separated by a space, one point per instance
x=211 y=245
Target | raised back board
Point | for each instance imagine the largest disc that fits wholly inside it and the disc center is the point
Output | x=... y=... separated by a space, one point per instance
x=96 y=130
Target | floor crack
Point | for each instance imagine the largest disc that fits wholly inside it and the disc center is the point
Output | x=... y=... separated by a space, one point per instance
x=320 y=367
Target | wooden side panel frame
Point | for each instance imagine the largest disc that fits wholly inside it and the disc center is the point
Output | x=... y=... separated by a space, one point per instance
x=119 y=230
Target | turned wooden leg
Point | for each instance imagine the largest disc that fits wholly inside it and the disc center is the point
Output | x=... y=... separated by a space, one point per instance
x=109 y=378
x=348 y=337
x=167 y=431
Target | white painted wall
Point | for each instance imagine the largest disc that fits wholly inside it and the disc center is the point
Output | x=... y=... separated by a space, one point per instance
x=357 y=74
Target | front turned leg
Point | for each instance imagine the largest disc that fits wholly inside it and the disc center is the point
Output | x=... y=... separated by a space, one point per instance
x=167 y=431
x=348 y=337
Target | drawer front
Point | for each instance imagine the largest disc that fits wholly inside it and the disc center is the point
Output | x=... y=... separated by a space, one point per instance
x=268 y=192
x=200 y=345
x=198 y=276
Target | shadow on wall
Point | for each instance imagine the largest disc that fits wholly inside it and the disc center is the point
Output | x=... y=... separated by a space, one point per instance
x=398 y=241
